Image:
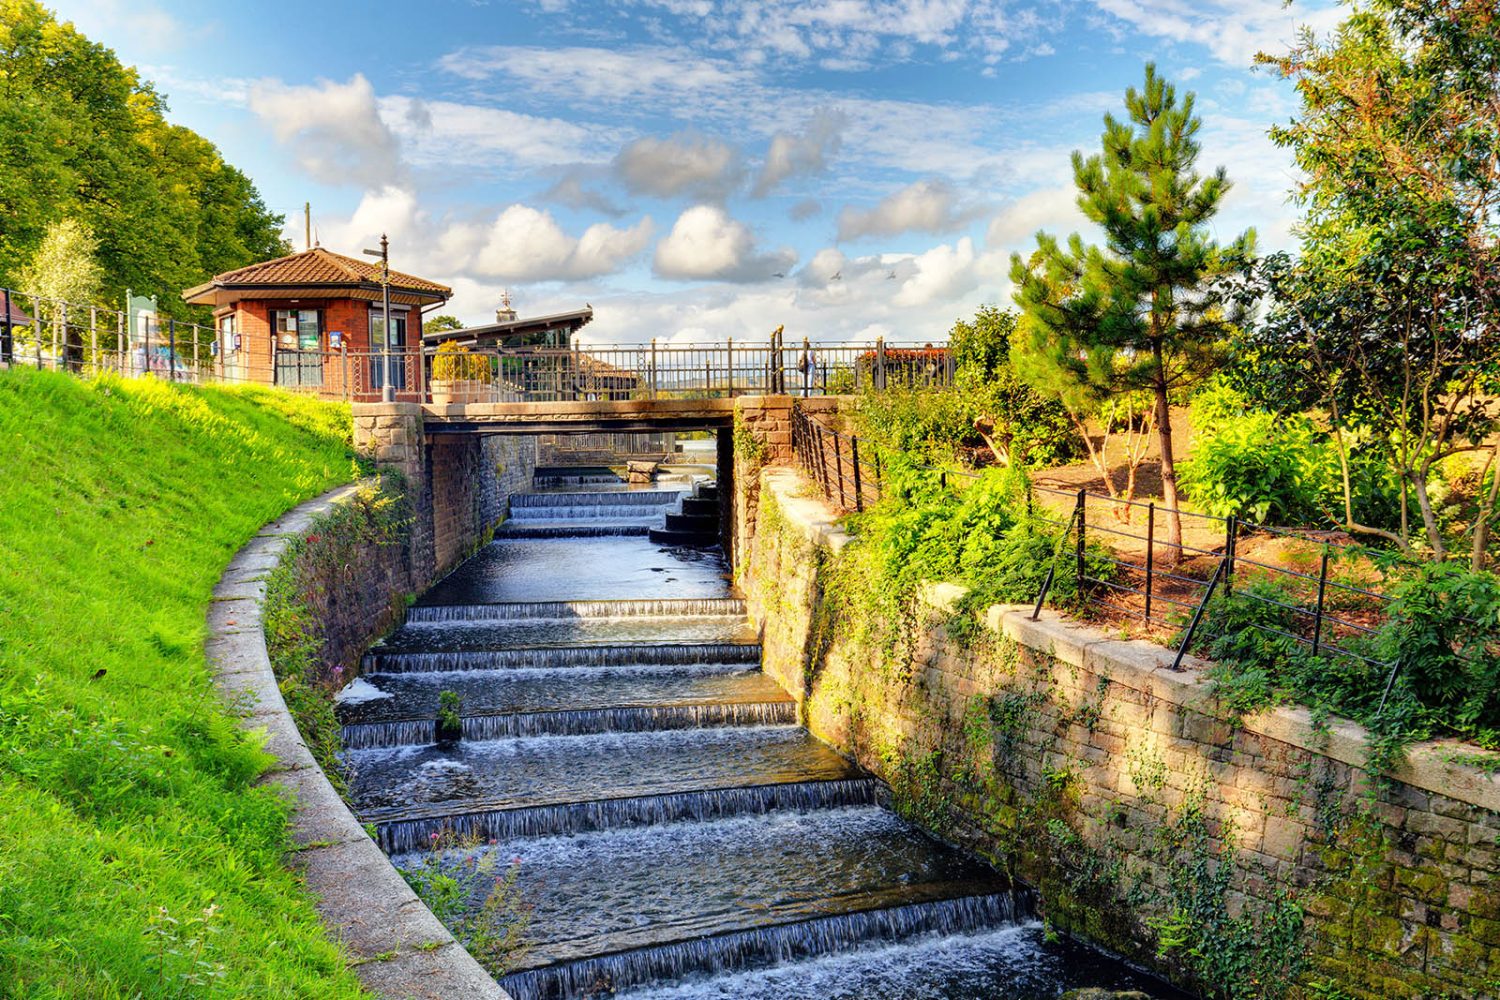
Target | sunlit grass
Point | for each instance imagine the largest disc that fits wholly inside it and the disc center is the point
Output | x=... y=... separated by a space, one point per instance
x=137 y=855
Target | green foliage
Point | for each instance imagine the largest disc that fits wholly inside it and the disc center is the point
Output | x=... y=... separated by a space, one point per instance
x=988 y=405
x=1268 y=468
x=86 y=139
x=442 y=324
x=128 y=787
x=450 y=724
x=451 y=876
x=1389 y=318
x=454 y=362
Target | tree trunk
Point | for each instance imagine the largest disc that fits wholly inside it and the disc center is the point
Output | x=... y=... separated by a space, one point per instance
x=1168 y=460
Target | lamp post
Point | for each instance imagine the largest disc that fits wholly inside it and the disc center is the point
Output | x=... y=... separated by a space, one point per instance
x=387 y=391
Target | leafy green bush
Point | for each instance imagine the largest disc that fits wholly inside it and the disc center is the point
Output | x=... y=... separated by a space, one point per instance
x=1261 y=466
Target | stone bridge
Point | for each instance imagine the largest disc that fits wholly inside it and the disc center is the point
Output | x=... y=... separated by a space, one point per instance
x=461 y=462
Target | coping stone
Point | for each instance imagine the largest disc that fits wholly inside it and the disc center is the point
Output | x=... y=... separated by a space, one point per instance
x=397 y=948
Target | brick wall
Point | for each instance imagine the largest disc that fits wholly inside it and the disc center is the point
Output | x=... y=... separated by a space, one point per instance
x=459 y=485
x=1092 y=770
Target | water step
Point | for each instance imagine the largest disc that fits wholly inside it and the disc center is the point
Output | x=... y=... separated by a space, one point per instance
x=412 y=782
x=688 y=539
x=395 y=697
x=676 y=897
x=697 y=505
x=414 y=832
x=775 y=945
x=401 y=709
x=453 y=636
x=573 y=722
x=613 y=512
x=700 y=607
x=571 y=569
x=600 y=498
x=570 y=529
x=707 y=492
x=601 y=655
x=705 y=524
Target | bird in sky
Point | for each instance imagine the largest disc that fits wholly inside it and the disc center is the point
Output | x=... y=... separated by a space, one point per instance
x=837 y=276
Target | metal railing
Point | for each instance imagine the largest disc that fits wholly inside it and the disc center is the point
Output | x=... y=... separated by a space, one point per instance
x=848 y=477
x=1161 y=582
x=87 y=340
x=1148 y=578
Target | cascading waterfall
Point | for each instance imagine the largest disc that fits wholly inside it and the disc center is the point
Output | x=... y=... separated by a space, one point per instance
x=602 y=655
x=703 y=607
x=766 y=946
x=576 y=722
x=676 y=762
x=404 y=835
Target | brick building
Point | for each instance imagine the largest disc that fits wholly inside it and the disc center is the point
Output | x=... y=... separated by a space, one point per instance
x=314 y=321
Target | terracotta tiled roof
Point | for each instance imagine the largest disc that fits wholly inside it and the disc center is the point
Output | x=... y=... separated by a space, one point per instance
x=320 y=266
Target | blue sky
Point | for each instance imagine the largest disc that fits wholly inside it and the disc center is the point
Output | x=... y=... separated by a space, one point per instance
x=703 y=169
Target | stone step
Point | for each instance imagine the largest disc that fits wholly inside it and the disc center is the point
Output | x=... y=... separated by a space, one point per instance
x=696 y=505
x=699 y=523
x=686 y=539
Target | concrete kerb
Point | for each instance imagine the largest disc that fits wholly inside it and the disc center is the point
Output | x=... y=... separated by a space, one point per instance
x=398 y=948
x=1147 y=668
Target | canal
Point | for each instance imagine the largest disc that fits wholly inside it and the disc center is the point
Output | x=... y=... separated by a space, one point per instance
x=641 y=795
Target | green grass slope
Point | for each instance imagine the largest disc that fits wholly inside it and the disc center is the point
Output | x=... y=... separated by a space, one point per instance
x=137 y=856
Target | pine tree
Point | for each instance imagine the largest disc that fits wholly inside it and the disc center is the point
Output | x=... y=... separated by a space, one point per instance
x=1152 y=308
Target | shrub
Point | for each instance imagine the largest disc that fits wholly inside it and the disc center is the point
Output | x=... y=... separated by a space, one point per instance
x=1263 y=467
x=454 y=363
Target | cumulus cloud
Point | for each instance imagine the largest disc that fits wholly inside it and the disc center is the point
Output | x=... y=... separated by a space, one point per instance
x=569 y=191
x=929 y=206
x=942 y=274
x=805 y=209
x=705 y=243
x=806 y=152
x=683 y=164
x=526 y=244
x=1053 y=209
x=474 y=136
x=334 y=130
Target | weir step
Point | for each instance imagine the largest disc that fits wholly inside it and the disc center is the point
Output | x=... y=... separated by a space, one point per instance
x=684 y=539
x=700 y=505
x=571 y=529
x=566 y=610
x=703 y=524
x=404 y=833
x=567 y=657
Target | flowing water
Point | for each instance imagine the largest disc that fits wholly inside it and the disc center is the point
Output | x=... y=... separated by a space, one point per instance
x=669 y=827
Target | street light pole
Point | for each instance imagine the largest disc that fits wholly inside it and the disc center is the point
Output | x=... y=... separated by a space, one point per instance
x=387 y=391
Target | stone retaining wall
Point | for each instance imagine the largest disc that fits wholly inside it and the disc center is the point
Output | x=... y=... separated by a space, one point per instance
x=1088 y=767
x=398 y=948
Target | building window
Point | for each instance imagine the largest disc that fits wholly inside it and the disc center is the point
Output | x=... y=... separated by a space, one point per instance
x=377 y=330
x=229 y=333
x=296 y=329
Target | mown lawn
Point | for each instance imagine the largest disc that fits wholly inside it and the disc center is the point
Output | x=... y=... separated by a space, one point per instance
x=137 y=857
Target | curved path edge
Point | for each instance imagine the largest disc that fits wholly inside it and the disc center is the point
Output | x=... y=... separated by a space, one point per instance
x=397 y=947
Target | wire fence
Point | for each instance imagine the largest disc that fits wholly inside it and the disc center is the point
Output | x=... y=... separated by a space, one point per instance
x=88 y=340
x=1324 y=594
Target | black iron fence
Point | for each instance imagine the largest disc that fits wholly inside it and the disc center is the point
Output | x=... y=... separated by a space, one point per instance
x=848 y=477
x=1126 y=564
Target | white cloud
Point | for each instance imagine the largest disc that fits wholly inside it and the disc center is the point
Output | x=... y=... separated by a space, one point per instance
x=929 y=206
x=942 y=274
x=569 y=191
x=686 y=164
x=334 y=130
x=705 y=243
x=1053 y=209
x=1232 y=30
x=525 y=244
x=805 y=152
x=592 y=75
x=472 y=136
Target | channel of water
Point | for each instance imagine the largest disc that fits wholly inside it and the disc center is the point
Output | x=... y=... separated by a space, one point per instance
x=672 y=831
